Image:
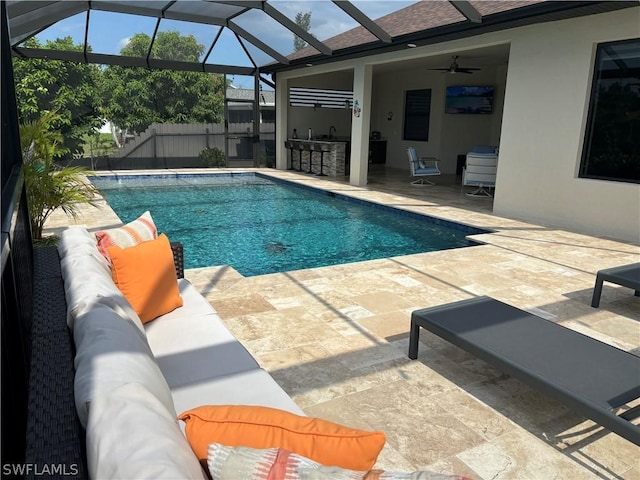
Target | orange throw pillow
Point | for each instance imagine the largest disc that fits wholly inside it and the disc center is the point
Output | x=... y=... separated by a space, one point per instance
x=146 y=275
x=263 y=427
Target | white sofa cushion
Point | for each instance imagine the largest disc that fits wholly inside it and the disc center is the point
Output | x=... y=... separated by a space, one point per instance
x=130 y=434
x=253 y=387
x=111 y=352
x=74 y=239
x=87 y=277
x=192 y=344
x=86 y=284
x=194 y=303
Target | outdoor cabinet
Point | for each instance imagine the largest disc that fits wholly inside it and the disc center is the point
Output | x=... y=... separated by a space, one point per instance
x=377 y=151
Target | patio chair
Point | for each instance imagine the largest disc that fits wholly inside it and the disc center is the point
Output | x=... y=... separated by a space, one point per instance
x=480 y=171
x=422 y=167
x=591 y=377
x=625 y=275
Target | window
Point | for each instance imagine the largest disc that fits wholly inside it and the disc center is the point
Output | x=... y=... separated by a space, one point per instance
x=417 y=107
x=612 y=141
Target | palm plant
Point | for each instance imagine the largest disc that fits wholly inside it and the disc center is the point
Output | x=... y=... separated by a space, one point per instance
x=48 y=186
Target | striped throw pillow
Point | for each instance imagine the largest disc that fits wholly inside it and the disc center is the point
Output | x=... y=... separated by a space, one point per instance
x=140 y=230
x=231 y=463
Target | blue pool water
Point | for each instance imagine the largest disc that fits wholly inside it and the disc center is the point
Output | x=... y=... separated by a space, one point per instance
x=261 y=226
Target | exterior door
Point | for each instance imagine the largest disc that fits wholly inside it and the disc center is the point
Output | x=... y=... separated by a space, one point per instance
x=241 y=151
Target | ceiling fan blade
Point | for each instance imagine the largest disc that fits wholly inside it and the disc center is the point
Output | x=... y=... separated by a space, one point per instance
x=439 y=69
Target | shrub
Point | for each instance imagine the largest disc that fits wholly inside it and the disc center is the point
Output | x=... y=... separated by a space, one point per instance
x=213 y=157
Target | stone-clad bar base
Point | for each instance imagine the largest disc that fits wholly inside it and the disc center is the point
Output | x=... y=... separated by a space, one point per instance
x=333 y=156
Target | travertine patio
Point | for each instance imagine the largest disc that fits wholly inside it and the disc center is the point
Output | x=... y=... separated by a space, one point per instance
x=336 y=338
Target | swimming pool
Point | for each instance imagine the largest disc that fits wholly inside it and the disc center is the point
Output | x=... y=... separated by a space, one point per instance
x=259 y=225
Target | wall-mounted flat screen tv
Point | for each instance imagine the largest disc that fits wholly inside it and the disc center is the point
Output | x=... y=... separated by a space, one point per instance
x=472 y=100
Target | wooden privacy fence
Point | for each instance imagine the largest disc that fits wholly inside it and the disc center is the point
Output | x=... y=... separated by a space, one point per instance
x=173 y=140
x=178 y=145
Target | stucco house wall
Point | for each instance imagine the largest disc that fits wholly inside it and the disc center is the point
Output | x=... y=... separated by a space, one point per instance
x=545 y=110
x=542 y=101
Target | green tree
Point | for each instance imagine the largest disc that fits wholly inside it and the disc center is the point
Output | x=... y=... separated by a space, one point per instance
x=72 y=89
x=137 y=97
x=303 y=20
x=49 y=187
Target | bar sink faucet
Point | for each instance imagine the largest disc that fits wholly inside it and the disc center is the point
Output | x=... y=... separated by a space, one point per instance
x=332 y=130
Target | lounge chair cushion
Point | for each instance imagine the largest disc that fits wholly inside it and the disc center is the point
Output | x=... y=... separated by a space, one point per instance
x=140 y=230
x=111 y=352
x=491 y=149
x=263 y=427
x=146 y=275
x=153 y=446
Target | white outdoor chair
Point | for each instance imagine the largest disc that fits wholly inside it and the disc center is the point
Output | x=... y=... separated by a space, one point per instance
x=422 y=167
x=480 y=171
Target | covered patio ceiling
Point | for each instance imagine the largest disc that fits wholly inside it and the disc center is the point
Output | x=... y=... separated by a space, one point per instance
x=262 y=37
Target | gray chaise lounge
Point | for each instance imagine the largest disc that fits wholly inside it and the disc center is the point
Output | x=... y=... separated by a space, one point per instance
x=625 y=275
x=593 y=378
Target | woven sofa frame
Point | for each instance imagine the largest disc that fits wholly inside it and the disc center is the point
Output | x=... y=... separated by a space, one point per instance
x=54 y=437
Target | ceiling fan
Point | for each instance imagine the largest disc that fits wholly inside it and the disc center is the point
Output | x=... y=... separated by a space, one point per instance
x=455 y=68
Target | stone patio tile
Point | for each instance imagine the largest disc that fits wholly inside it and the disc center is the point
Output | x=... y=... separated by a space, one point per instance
x=279 y=329
x=422 y=431
x=318 y=382
x=527 y=408
x=516 y=455
x=381 y=302
x=336 y=338
x=453 y=464
x=241 y=305
x=387 y=324
x=392 y=461
x=293 y=357
x=592 y=446
x=360 y=359
x=480 y=418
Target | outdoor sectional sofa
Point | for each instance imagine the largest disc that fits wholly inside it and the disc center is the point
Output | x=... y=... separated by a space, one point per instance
x=131 y=379
x=116 y=393
x=171 y=393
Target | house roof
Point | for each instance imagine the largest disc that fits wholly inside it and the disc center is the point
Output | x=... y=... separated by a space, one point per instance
x=420 y=16
x=263 y=32
x=267 y=97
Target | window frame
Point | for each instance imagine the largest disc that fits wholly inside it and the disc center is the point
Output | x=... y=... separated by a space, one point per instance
x=592 y=113
x=409 y=119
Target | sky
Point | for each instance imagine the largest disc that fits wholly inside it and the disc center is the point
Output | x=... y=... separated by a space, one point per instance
x=109 y=32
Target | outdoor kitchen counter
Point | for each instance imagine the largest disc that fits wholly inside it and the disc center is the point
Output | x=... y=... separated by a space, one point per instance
x=333 y=158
